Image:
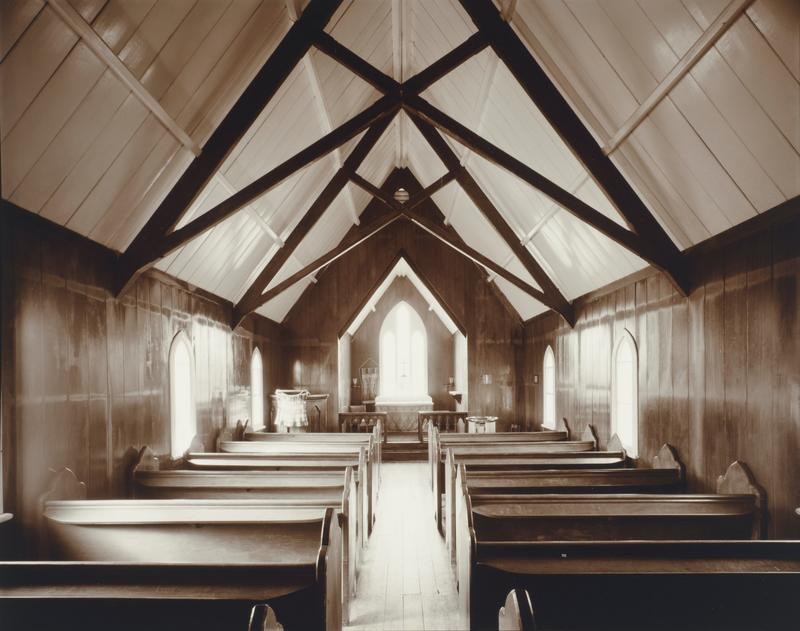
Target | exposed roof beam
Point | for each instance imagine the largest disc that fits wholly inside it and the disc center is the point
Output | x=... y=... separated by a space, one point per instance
x=709 y=37
x=347 y=244
x=547 y=98
x=237 y=121
x=378 y=111
x=459 y=246
x=554 y=298
x=416 y=84
x=444 y=65
x=321 y=105
x=479 y=110
x=373 y=190
x=83 y=29
x=417 y=198
x=358 y=66
x=252 y=297
x=422 y=109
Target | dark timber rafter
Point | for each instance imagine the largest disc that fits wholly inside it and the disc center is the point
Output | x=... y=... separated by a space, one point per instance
x=363 y=233
x=543 y=92
x=252 y=298
x=420 y=109
x=555 y=299
x=259 y=92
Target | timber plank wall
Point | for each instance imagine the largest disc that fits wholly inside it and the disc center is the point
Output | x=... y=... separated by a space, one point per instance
x=86 y=376
x=719 y=371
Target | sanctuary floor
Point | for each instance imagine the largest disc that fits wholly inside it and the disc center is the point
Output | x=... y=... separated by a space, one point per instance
x=406 y=581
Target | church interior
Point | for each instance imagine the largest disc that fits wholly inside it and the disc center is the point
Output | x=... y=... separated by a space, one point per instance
x=399 y=314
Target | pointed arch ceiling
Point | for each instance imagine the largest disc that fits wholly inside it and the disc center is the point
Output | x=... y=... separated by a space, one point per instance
x=106 y=106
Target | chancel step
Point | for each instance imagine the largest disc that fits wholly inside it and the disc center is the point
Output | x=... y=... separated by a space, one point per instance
x=404 y=447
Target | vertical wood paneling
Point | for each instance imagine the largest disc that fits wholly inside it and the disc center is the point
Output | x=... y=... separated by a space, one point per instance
x=719 y=376
x=314 y=321
x=90 y=373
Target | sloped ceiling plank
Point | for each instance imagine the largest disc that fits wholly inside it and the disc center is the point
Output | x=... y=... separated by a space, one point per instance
x=555 y=299
x=565 y=199
x=31 y=63
x=17 y=16
x=471 y=253
x=247 y=108
x=548 y=99
x=777 y=20
x=364 y=232
x=375 y=114
x=251 y=299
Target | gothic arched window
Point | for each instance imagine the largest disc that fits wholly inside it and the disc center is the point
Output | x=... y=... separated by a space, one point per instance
x=181 y=394
x=549 y=389
x=403 y=356
x=625 y=394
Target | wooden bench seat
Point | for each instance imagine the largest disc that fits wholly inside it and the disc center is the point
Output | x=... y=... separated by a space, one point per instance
x=542 y=455
x=294 y=461
x=438 y=441
x=667 y=476
x=330 y=488
x=735 y=512
x=710 y=585
x=94 y=596
x=129 y=547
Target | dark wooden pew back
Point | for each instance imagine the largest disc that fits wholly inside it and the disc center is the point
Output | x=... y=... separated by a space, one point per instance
x=637 y=585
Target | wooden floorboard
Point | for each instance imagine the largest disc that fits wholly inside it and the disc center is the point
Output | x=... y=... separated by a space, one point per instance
x=405 y=580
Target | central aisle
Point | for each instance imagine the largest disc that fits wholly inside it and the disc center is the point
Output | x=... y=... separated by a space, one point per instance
x=406 y=581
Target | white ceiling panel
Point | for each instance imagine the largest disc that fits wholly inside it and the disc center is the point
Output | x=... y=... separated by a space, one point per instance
x=700 y=112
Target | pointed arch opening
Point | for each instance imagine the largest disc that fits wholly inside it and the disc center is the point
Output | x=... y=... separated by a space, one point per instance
x=256 y=389
x=183 y=422
x=549 y=389
x=403 y=356
x=625 y=394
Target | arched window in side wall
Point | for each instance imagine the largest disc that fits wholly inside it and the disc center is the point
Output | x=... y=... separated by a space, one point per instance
x=256 y=390
x=181 y=394
x=549 y=389
x=625 y=394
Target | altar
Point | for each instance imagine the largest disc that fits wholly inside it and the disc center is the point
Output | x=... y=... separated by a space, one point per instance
x=401 y=416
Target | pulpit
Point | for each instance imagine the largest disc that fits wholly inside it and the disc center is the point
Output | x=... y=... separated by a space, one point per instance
x=316 y=411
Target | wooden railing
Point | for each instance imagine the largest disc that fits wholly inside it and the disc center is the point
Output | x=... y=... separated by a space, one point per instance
x=353 y=422
x=444 y=420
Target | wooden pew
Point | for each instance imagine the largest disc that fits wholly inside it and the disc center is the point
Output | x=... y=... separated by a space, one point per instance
x=667 y=476
x=263 y=618
x=516 y=614
x=373 y=439
x=266 y=444
x=193 y=562
x=570 y=454
x=330 y=488
x=735 y=512
x=636 y=585
x=290 y=461
x=438 y=441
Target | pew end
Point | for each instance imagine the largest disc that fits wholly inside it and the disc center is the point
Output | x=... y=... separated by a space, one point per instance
x=667 y=458
x=562 y=426
x=147 y=461
x=739 y=480
x=517 y=612
x=590 y=435
x=262 y=618
x=615 y=444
